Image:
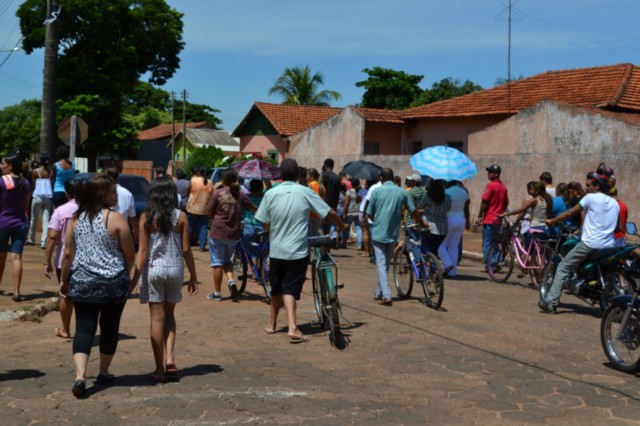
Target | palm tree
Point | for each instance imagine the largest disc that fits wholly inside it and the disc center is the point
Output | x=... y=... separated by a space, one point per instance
x=298 y=86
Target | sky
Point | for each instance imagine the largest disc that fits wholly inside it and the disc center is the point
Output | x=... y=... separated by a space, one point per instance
x=235 y=49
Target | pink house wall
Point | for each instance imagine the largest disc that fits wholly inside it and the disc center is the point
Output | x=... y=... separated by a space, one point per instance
x=389 y=137
x=263 y=144
x=565 y=141
x=439 y=131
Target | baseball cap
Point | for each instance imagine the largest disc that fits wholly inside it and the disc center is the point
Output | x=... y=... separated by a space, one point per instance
x=414 y=177
x=494 y=168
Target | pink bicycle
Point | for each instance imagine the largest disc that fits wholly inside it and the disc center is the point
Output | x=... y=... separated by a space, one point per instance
x=509 y=247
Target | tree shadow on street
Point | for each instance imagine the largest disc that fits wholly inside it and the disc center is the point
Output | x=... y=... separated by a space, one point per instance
x=20 y=374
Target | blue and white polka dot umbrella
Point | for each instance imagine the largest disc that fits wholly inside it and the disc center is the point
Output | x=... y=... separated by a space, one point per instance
x=442 y=162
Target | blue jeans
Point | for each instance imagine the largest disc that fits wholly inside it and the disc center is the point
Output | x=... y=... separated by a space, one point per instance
x=487 y=240
x=570 y=263
x=384 y=254
x=414 y=234
x=198 y=229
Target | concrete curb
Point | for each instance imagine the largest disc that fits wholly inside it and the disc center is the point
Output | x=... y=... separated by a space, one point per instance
x=472 y=255
x=32 y=313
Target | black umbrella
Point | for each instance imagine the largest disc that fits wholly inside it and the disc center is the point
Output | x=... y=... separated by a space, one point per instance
x=361 y=169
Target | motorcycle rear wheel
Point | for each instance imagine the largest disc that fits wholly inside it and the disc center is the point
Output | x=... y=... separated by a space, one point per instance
x=615 y=285
x=623 y=353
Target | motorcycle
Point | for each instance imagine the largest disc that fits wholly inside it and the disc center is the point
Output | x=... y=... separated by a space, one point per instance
x=620 y=326
x=598 y=279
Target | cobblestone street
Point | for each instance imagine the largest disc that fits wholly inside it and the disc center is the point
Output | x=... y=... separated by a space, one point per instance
x=488 y=357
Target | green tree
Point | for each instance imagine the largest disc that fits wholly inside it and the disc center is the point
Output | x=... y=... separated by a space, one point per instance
x=446 y=88
x=20 y=127
x=105 y=48
x=298 y=86
x=205 y=156
x=386 y=88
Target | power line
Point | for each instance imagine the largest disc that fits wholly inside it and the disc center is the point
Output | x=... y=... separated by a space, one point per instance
x=15 y=49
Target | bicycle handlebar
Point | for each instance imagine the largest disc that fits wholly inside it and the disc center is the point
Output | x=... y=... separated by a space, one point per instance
x=323 y=241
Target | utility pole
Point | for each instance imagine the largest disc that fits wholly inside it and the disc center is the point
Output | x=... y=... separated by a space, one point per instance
x=184 y=127
x=173 y=134
x=513 y=15
x=48 y=131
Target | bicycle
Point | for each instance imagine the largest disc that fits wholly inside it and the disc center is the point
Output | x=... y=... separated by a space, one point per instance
x=324 y=275
x=429 y=273
x=255 y=254
x=509 y=247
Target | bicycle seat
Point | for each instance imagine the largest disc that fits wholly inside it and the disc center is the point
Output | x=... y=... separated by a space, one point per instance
x=323 y=241
x=535 y=231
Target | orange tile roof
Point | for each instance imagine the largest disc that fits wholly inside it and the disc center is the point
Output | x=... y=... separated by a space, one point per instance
x=291 y=119
x=612 y=87
x=288 y=120
x=164 y=130
x=381 y=115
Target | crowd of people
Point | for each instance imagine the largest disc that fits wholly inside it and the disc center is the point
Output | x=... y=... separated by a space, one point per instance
x=90 y=236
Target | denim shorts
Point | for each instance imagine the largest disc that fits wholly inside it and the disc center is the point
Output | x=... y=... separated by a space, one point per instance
x=17 y=234
x=221 y=252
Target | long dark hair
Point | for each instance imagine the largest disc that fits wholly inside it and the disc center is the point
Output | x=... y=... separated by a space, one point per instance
x=435 y=191
x=162 y=200
x=230 y=179
x=16 y=168
x=46 y=163
x=94 y=193
x=542 y=192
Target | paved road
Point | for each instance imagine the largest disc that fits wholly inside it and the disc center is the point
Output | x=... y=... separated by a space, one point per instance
x=488 y=357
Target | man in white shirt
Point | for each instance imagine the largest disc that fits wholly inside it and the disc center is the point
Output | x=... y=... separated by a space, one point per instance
x=126 y=205
x=600 y=222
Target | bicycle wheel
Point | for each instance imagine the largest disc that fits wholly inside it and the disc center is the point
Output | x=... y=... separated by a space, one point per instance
x=240 y=268
x=500 y=263
x=263 y=267
x=333 y=322
x=317 y=295
x=548 y=273
x=433 y=282
x=538 y=262
x=623 y=352
x=403 y=273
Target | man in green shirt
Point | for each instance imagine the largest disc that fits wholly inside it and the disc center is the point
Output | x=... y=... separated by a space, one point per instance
x=385 y=211
x=284 y=210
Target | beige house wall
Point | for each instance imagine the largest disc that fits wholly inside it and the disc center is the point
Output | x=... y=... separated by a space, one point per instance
x=440 y=131
x=341 y=138
x=263 y=144
x=568 y=142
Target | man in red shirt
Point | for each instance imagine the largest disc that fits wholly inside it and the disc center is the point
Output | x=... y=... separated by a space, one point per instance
x=494 y=202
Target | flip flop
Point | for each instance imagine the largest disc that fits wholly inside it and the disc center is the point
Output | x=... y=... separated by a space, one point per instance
x=105 y=379
x=171 y=372
x=298 y=339
x=18 y=298
x=61 y=333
